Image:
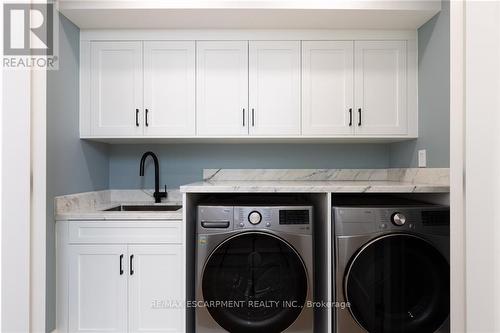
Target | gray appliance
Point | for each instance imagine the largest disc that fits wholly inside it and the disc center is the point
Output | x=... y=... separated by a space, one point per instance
x=391 y=266
x=254 y=270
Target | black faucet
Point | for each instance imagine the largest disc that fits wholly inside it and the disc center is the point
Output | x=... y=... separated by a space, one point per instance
x=157 y=195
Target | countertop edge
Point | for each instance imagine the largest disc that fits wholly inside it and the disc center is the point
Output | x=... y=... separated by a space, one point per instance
x=276 y=187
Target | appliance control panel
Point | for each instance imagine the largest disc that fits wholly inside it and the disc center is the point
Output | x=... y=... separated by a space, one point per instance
x=282 y=218
x=216 y=219
x=367 y=220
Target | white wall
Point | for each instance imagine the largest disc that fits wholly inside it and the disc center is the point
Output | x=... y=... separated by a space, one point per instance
x=482 y=165
x=15 y=202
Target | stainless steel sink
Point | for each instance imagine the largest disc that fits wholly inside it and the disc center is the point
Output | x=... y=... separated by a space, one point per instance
x=144 y=208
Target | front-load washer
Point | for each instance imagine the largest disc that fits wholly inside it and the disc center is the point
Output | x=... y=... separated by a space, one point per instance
x=392 y=271
x=254 y=269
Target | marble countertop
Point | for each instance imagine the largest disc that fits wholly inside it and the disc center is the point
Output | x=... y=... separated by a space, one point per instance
x=93 y=205
x=412 y=180
x=313 y=186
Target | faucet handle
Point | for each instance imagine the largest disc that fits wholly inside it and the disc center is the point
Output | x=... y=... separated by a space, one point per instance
x=164 y=194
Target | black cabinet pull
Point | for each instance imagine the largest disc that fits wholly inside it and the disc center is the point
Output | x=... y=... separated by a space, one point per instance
x=243 y=117
x=359 y=119
x=121 y=264
x=137 y=117
x=147 y=111
x=253 y=117
x=350 y=117
x=131 y=265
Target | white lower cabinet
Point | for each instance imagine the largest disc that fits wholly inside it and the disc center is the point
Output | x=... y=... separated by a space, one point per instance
x=121 y=283
x=155 y=291
x=97 y=290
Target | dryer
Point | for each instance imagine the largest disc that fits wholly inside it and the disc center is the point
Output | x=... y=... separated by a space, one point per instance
x=391 y=267
x=254 y=270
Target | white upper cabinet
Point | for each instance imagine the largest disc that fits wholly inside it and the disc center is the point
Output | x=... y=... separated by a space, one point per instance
x=380 y=88
x=262 y=89
x=97 y=288
x=116 y=88
x=274 y=88
x=222 y=88
x=327 y=88
x=169 y=88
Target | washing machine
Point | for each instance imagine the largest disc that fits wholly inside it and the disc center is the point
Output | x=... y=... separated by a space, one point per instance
x=254 y=269
x=392 y=271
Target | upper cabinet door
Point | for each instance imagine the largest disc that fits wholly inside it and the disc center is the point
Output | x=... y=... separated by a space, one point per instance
x=156 y=277
x=97 y=288
x=327 y=88
x=222 y=88
x=169 y=88
x=380 y=88
x=116 y=89
x=274 y=88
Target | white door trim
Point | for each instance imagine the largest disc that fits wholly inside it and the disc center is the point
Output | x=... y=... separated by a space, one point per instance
x=482 y=162
x=15 y=201
x=38 y=200
x=457 y=155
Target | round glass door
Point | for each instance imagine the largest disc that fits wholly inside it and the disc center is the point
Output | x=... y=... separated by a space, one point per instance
x=398 y=283
x=254 y=282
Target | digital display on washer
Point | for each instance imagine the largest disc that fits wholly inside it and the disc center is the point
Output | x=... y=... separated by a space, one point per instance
x=436 y=217
x=294 y=216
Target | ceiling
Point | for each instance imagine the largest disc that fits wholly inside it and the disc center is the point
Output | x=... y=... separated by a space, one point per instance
x=235 y=14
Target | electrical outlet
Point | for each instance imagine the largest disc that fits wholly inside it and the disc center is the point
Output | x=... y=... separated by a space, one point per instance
x=422 y=158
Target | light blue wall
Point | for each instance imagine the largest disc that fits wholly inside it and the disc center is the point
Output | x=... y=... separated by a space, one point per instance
x=183 y=163
x=73 y=165
x=433 y=96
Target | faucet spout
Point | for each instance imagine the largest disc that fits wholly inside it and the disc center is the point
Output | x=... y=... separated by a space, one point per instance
x=157 y=194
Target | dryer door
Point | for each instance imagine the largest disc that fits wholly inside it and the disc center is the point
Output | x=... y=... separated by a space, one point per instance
x=398 y=283
x=254 y=282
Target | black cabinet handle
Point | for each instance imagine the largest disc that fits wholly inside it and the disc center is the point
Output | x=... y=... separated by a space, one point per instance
x=121 y=264
x=350 y=117
x=253 y=117
x=243 y=117
x=359 y=119
x=137 y=117
x=131 y=265
x=147 y=111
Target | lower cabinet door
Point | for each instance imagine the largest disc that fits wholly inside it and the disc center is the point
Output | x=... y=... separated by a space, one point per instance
x=97 y=288
x=156 y=288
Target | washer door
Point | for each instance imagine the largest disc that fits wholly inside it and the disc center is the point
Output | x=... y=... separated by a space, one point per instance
x=263 y=277
x=398 y=283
